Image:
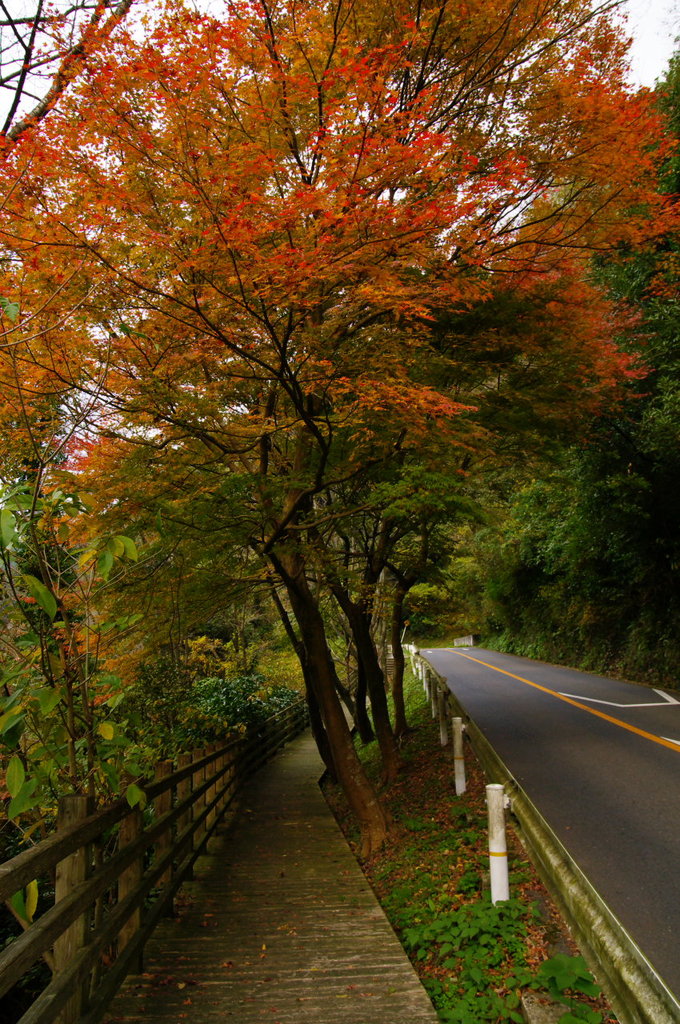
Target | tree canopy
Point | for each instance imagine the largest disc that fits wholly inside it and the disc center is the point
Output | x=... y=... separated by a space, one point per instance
x=261 y=264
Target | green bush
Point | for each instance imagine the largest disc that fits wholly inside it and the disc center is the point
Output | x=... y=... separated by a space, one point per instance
x=167 y=712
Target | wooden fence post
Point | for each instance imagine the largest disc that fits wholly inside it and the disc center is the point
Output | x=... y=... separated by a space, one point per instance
x=130 y=830
x=197 y=780
x=70 y=872
x=212 y=792
x=222 y=783
x=183 y=793
x=162 y=804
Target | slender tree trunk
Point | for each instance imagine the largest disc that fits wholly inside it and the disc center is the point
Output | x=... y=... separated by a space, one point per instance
x=319 y=732
x=367 y=656
x=347 y=699
x=375 y=681
x=362 y=797
x=400 y=723
x=315 y=718
x=361 y=718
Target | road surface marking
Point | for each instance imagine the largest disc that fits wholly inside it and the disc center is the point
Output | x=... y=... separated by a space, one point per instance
x=660 y=740
x=667 y=699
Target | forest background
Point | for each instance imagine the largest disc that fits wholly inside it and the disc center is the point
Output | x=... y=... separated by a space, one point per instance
x=320 y=322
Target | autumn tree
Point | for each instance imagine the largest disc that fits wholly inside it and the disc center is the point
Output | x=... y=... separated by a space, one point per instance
x=583 y=563
x=43 y=48
x=266 y=212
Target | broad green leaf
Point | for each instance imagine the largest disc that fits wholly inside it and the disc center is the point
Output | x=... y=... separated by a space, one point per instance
x=111 y=775
x=114 y=701
x=105 y=564
x=15 y=775
x=24 y=800
x=11 y=309
x=31 y=899
x=56 y=665
x=18 y=903
x=129 y=547
x=44 y=597
x=48 y=699
x=10 y=719
x=106 y=730
x=8 y=532
x=116 y=547
x=135 y=796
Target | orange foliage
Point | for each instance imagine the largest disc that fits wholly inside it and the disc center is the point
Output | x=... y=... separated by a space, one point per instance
x=253 y=221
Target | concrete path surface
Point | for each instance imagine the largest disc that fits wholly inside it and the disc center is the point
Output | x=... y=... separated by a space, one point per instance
x=280 y=926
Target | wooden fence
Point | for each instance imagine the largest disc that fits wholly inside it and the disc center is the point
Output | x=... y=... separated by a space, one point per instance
x=118 y=869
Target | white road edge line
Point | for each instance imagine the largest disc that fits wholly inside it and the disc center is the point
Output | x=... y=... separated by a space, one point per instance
x=667 y=699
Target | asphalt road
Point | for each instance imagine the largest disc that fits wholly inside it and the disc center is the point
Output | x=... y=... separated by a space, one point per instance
x=600 y=759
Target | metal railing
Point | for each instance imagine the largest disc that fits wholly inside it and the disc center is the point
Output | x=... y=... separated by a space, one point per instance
x=118 y=869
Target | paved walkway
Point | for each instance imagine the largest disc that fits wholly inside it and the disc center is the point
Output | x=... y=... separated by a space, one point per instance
x=281 y=925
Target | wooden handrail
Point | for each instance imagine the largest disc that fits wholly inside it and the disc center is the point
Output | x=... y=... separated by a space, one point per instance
x=147 y=864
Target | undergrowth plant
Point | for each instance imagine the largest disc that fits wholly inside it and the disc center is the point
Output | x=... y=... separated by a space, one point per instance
x=567 y=978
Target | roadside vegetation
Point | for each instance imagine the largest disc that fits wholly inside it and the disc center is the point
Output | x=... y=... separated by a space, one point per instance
x=474 y=958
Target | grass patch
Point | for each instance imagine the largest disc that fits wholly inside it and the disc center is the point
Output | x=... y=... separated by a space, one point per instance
x=473 y=958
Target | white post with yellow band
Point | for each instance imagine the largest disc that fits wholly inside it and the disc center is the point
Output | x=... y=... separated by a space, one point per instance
x=498 y=850
x=458 y=757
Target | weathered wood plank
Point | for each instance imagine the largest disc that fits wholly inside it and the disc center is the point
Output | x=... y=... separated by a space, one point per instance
x=280 y=924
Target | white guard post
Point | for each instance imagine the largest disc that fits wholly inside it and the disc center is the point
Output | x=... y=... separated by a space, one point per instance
x=498 y=850
x=443 y=720
x=458 y=757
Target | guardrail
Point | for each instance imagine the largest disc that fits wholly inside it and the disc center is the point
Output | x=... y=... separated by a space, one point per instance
x=118 y=869
x=636 y=992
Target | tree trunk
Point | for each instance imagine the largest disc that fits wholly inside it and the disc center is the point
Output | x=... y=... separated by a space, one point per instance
x=315 y=719
x=319 y=732
x=361 y=718
x=400 y=723
x=375 y=681
x=367 y=657
x=364 y=802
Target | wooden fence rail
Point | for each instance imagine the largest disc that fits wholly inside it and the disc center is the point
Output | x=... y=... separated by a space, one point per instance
x=117 y=871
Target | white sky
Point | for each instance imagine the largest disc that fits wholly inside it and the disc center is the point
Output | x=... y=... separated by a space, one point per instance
x=654 y=26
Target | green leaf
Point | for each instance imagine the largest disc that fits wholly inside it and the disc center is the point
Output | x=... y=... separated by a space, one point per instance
x=10 y=719
x=44 y=597
x=135 y=796
x=105 y=564
x=19 y=904
x=8 y=531
x=106 y=730
x=129 y=547
x=11 y=309
x=15 y=775
x=24 y=800
x=115 y=546
x=47 y=699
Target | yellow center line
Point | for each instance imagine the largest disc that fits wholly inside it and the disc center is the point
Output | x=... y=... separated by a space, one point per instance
x=577 y=704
